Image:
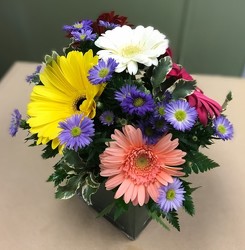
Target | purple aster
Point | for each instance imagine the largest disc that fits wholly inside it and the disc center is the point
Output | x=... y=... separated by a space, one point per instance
x=83 y=35
x=159 y=110
x=171 y=197
x=34 y=77
x=180 y=115
x=103 y=71
x=124 y=92
x=138 y=103
x=150 y=134
x=84 y=24
x=223 y=128
x=108 y=25
x=159 y=124
x=107 y=118
x=15 y=122
x=76 y=132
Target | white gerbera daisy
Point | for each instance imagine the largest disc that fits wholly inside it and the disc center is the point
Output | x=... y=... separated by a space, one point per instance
x=131 y=46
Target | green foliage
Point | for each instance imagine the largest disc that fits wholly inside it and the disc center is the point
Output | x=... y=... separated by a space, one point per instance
x=89 y=187
x=197 y=162
x=49 y=152
x=188 y=202
x=70 y=188
x=158 y=218
x=227 y=100
x=120 y=208
x=161 y=70
x=182 y=88
x=172 y=218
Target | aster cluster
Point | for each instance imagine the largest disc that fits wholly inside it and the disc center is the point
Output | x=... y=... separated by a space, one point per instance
x=124 y=115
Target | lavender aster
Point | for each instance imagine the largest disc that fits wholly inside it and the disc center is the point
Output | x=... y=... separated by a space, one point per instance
x=124 y=92
x=171 y=197
x=15 y=122
x=84 y=24
x=223 y=128
x=107 y=118
x=76 y=132
x=108 y=25
x=103 y=71
x=83 y=35
x=180 y=115
x=35 y=76
x=138 y=103
x=150 y=134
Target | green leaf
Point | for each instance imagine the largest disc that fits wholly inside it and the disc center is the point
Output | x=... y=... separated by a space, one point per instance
x=154 y=215
x=172 y=218
x=69 y=190
x=227 y=100
x=161 y=70
x=106 y=210
x=182 y=88
x=49 y=152
x=188 y=201
x=120 y=208
x=198 y=162
x=89 y=187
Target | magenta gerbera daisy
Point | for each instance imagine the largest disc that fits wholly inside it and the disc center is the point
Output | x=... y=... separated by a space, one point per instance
x=138 y=169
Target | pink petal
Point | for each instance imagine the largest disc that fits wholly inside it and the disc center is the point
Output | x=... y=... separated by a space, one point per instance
x=141 y=195
x=128 y=194
x=123 y=188
x=114 y=181
x=153 y=191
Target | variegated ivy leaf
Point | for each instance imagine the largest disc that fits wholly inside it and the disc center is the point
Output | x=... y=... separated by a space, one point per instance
x=182 y=88
x=70 y=189
x=89 y=187
x=161 y=70
x=48 y=59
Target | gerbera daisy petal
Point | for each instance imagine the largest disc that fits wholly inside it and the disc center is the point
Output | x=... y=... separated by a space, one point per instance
x=142 y=166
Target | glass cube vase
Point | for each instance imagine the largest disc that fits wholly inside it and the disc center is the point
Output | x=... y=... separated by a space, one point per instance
x=131 y=223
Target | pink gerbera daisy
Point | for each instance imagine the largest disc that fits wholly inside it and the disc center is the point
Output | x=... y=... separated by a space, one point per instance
x=137 y=168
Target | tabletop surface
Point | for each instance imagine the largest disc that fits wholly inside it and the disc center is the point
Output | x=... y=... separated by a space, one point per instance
x=31 y=218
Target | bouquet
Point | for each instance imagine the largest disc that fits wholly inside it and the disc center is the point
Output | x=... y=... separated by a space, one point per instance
x=118 y=111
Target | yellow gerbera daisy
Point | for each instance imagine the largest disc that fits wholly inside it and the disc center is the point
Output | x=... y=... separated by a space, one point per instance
x=66 y=91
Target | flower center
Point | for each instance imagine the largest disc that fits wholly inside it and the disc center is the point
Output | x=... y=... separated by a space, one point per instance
x=141 y=166
x=103 y=72
x=78 y=102
x=138 y=102
x=78 y=25
x=170 y=195
x=130 y=51
x=142 y=161
x=180 y=115
x=76 y=131
x=222 y=129
x=161 y=111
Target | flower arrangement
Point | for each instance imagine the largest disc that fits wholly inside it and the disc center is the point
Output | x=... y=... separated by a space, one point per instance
x=121 y=113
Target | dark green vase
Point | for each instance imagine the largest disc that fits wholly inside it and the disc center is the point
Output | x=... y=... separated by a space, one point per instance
x=131 y=223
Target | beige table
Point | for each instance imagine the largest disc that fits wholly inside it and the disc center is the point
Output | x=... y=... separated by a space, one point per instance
x=30 y=217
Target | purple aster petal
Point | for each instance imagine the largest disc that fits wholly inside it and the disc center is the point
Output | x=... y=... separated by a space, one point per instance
x=180 y=115
x=83 y=35
x=84 y=24
x=150 y=134
x=34 y=77
x=76 y=132
x=107 y=118
x=108 y=25
x=15 y=122
x=171 y=197
x=124 y=92
x=223 y=128
x=103 y=71
x=137 y=103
